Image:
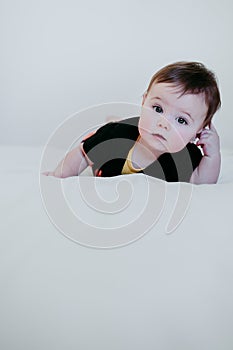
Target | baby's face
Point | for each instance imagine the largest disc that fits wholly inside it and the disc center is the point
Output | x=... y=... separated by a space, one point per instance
x=176 y=118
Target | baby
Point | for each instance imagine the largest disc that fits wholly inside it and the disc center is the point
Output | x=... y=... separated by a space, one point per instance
x=173 y=139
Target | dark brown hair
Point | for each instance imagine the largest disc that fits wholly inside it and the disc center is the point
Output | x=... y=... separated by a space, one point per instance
x=191 y=77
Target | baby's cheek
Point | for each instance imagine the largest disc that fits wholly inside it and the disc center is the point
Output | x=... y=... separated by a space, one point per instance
x=145 y=124
x=180 y=141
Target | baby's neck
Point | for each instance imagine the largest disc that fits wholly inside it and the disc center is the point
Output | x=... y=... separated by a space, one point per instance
x=142 y=156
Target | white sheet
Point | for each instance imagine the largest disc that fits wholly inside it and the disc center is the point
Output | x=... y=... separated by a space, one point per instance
x=160 y=292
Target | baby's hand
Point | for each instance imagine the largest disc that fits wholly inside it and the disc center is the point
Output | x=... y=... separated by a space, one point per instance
x=48 y=173
x=72 y=165
x=58 y=172
x=209 y=141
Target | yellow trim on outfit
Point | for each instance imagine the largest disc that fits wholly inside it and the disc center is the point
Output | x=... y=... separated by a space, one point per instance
x=128 y=167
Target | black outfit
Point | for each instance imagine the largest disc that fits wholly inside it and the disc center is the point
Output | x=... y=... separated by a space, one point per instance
x=109 y=146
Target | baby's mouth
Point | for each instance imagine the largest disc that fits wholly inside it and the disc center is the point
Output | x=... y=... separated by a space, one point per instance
x=159 y=136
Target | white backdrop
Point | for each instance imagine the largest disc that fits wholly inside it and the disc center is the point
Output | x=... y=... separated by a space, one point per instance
x=59 y=57
x=163 y=291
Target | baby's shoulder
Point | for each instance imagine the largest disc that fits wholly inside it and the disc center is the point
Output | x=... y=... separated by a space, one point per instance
x=123 y=128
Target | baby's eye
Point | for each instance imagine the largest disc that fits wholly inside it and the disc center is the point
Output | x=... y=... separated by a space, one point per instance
x=158 y=109
x=182 y=121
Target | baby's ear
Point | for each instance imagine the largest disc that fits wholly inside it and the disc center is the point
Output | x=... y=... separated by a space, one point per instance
x=199 y=132
x=144 y=97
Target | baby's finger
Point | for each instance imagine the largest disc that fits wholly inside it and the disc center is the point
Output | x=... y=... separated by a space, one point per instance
x=203 y=140
x=204 y=136
x=47 y=173
x=208 y=132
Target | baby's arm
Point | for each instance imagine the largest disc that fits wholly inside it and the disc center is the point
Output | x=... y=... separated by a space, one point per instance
x=73 y=164
x=209 y=168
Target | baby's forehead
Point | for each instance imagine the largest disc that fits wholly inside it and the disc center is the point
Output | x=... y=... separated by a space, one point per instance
x=167 y=88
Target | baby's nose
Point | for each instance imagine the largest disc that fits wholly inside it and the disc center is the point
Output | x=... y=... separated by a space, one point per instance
x=163 y=123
